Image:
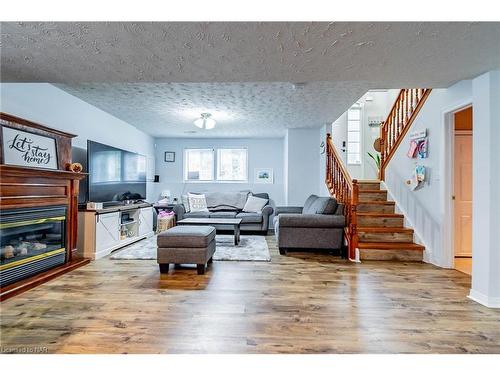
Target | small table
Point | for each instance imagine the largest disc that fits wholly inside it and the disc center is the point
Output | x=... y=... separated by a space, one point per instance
x=215 y=221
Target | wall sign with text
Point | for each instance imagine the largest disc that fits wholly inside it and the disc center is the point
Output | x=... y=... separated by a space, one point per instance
x=28 y=149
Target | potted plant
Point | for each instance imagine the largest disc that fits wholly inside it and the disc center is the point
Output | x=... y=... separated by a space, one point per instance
x=376 y=159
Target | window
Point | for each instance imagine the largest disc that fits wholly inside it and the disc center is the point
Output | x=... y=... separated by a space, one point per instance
x=354 y=135
x=232 y=164
x=198 y=165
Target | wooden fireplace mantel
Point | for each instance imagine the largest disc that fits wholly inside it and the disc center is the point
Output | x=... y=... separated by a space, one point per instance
x=26 y=187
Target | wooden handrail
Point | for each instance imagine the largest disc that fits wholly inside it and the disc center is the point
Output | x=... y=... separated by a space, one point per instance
x=345 y=190
x=398 y=122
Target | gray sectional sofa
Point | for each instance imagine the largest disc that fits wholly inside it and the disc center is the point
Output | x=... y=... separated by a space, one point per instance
x=319 y=224
x=218 y=207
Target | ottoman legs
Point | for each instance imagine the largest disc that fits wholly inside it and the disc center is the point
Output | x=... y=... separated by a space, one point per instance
x=164 y=267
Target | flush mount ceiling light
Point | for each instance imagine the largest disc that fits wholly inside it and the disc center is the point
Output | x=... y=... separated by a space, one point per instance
x=205 y=121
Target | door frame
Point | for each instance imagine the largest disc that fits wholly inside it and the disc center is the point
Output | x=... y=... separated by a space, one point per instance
x=448 y=153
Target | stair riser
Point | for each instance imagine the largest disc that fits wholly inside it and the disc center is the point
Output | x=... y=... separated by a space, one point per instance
x=396 y=254
x=380 y=208
x=369 y=186
x=374 y=221
x=380 y=196
x=386 y=237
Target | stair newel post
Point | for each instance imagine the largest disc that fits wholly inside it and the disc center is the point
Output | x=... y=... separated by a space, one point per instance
x=353 y=244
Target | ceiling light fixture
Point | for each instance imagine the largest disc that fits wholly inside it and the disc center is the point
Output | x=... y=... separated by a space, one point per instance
x=205 y=121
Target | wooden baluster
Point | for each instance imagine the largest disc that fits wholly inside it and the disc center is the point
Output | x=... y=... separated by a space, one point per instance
x=406 y=107
x=353 y=227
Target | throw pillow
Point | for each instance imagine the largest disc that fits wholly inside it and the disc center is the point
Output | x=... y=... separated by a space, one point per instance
x=331 y=207
x=254 y=204
x=197 y=202
x=185 y=202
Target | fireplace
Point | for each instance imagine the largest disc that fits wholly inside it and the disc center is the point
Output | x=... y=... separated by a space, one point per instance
x=38 y=212
x=32 y=241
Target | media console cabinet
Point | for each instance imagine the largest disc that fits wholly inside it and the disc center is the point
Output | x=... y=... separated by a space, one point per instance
x=102 y=231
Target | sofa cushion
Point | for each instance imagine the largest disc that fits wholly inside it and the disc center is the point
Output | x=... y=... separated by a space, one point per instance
x=201 y=214
x=255 y=204
x=250 y=217
x=318 y=206
x=309 y=201
x=217 y=201
x=185 y=236
x=331 y=207
x=197 y=202
x=223 y=214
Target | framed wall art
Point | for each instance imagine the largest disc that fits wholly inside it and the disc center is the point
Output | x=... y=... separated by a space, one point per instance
x=169 y=156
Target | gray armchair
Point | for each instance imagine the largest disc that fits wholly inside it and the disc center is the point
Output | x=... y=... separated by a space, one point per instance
x=319 y=224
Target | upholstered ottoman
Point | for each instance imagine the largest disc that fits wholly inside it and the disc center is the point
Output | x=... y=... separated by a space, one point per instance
x=186 y=244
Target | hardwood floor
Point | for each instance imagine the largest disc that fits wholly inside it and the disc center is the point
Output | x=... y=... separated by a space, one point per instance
x=302 y=303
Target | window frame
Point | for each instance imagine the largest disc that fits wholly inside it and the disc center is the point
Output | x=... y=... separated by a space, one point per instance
x=185 y=164
x=359 y=142
x=217 y=166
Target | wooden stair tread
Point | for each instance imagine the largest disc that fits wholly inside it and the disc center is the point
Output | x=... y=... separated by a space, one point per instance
x=385 y=229
x=378 y=214
x=390 y=246
x=387 y=203
x=373 y=191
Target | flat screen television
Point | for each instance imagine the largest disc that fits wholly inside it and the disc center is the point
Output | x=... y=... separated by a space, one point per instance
x=115 y=175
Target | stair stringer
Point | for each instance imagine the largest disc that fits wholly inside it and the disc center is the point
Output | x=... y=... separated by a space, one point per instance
x=417 y=238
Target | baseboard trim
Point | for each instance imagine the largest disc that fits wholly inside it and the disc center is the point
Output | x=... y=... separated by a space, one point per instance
x=491 y=302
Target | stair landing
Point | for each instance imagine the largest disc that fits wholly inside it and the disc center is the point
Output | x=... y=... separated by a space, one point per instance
x=381 y=231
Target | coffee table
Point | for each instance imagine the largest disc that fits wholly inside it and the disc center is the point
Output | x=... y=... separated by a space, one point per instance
x=215 y=221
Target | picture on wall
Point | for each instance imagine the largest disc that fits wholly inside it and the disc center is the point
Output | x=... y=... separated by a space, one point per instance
x=264 y=175
x=28 y=149
x=169 y=156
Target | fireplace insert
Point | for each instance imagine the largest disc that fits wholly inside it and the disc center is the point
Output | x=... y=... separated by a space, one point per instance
x=32 y=241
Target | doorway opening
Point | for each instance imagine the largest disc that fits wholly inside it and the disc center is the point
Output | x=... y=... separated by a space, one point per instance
x=462 y=190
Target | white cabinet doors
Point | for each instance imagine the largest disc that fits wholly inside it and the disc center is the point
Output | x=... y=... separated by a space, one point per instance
x=107 y=231
x=145 y=221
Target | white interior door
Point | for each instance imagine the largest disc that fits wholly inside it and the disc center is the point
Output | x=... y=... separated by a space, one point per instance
x=463 y=193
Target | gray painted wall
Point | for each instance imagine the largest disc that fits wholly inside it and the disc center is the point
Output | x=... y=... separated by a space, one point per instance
x=262 y=153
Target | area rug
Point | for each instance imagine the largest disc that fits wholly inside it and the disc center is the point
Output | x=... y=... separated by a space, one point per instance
x=251 y=248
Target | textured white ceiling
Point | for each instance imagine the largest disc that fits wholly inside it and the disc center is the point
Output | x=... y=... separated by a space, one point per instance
x=397 y=54
x=148 y=73
x=240 y=109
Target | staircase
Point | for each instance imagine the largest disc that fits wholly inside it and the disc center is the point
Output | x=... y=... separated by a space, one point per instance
x=374 y=231
x=381 y=232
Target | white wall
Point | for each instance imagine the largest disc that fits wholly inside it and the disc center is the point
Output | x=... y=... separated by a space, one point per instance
x=425 y=208
x=262 y=153
x=323 y=190
x=486 y=188
x=50 y=106
x=303 y=161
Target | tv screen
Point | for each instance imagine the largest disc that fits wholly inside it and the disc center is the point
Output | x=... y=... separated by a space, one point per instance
x=115 y=174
